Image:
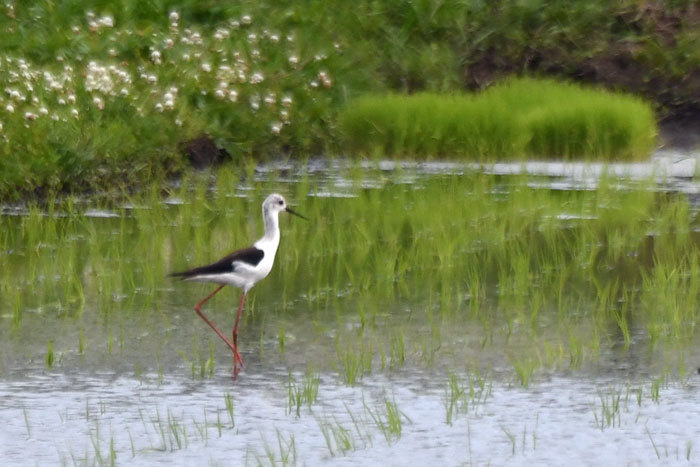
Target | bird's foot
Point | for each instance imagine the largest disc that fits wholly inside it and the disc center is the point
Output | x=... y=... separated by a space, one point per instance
x=237 y=360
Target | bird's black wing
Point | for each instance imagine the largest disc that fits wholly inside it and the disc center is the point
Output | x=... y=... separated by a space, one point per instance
x=251 y=256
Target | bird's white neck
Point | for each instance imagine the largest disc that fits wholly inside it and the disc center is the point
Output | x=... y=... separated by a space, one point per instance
x=272 y=229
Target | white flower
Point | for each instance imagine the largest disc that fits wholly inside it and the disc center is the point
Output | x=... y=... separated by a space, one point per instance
x=74 y=112
x=10 y=108
x=232 y=95
x=287 y=101
x=325 y=79
x=159 y=107
x=220 y=93
x=256 y=78
x=270 y=98
x=293 y=60
x=99 y=103
x=152 y=79
x=246 y=19
x=71 y=98
x=206 y=67
x=274 y=38
x=276 y=127
x=29 y=115
x=43 y=111
x=174 y=16
x=221 y=34
x=155 y=57
x=106 y=21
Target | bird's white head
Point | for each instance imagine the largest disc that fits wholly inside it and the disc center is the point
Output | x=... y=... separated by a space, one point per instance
x=276 y=203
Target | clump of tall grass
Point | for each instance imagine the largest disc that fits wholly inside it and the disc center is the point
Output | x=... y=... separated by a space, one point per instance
x=517 y=118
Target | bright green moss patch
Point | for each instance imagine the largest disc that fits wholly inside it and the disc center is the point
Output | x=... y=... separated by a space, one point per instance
x=518 y=118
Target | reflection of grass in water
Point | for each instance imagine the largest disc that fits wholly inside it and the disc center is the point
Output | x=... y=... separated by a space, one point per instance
x=397 y=273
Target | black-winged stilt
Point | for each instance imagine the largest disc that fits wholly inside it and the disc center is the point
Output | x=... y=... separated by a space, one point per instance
x=242 y=268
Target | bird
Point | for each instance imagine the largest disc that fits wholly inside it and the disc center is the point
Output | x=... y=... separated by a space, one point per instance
x=242 y=268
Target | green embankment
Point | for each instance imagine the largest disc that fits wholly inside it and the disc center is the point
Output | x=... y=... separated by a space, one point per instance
x=98 y=95
x=518 y=118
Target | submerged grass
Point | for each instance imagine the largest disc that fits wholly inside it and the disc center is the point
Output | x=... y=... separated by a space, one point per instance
x=450 y=266
x=515 y=119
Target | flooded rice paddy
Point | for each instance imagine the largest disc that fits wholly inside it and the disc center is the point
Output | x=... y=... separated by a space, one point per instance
x=430 y=313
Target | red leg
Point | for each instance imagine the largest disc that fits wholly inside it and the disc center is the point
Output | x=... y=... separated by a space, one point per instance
x=197 y=308
x=236 y=356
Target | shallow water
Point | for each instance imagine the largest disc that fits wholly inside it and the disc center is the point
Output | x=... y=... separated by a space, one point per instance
x=144 y=382
x=81 y=418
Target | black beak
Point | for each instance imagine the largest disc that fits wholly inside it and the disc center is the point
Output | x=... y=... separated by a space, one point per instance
x=295 y=213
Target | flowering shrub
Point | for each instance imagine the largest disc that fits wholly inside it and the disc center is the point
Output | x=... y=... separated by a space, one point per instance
x=120 y=96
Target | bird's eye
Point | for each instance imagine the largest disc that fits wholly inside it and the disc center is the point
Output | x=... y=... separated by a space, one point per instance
x=280 y=202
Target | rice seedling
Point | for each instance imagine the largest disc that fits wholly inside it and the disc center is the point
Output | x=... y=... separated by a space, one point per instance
x=305 y=393
x=397 y=347
x=388 y=419
x=524 y=369
x=81 y=342
x=537 y=118
x=286 y=449
x=228 y=400
x=511 y=437
x=339 y=440
x=455 y=395
x=355 y=363
x=49 y=354
x=610 y=414
x=26 y=421
x=653 y=444
x=497 y=265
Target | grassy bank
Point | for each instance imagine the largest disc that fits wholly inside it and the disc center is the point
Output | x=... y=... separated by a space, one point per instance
x=516 y=119
x=97 y=96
